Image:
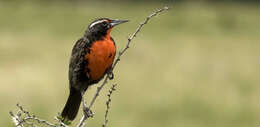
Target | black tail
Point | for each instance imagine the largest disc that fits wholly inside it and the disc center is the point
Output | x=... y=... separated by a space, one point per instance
x=72 y=106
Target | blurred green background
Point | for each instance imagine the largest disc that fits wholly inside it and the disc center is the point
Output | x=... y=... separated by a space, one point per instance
x=196 y=65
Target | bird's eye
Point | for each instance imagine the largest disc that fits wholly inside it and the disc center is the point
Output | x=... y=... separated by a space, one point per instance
x=106 y=25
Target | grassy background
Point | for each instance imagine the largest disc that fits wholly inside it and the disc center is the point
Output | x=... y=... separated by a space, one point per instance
x=195 y=66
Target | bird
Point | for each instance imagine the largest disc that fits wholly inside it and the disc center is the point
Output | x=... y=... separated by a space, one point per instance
x=91 y=59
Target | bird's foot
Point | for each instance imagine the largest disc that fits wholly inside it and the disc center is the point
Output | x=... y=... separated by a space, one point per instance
x=110 y=75
x=87 y=112
x=63 y=122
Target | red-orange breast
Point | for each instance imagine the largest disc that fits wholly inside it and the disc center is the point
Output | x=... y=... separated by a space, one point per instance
x=100 y=58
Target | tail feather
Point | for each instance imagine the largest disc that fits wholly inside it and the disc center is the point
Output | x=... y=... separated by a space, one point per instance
x=72 y=105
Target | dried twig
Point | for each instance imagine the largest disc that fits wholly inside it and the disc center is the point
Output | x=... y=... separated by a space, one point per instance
x=85 y=116
x=33 y=117
x=135 y=33
x=113 y=88
x=24 y=117
x=16 y=119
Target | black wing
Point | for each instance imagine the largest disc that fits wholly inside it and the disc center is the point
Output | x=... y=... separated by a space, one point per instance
x=77 y=75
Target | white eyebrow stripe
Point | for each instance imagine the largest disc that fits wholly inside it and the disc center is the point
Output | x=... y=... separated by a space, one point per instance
x=97 y=22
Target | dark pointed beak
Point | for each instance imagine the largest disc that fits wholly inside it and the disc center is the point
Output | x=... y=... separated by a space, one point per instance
x=117 y=22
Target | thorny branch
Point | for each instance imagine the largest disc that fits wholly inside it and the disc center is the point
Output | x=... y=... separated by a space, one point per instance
x=112 y=89
x=85 y=116
x=23 y=117
x=135 y=33
x=16 y=119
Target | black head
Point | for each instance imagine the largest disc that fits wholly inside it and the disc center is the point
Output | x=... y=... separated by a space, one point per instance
x=101 y=27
